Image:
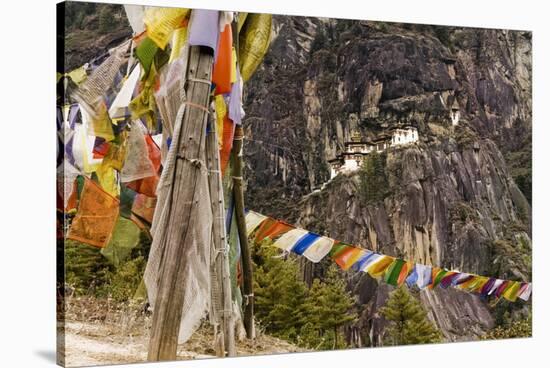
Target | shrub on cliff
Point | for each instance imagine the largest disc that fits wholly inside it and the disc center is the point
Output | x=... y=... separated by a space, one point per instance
x=373 y=179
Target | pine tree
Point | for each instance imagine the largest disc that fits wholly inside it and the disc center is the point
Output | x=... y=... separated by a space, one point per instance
x=329 y=307
x=408 y=320
x=279 y=295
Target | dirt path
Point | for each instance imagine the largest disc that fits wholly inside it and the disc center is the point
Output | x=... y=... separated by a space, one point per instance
x=100 y=336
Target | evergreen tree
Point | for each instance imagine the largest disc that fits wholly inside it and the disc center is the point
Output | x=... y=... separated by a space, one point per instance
x=279 y=295
x=408 y=320
x=328 y=306
x=106 y=19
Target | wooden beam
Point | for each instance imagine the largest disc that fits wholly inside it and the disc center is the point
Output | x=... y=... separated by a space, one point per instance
x=172 y=274
x=221 y=285
x=246 y=259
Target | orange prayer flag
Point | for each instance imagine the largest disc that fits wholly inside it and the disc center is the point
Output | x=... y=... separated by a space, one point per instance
x=227 y=142
x=274 y=231
x=148 y=185
x=348 y=256
x=221 y=74
x=144 y=207
x=96 y=216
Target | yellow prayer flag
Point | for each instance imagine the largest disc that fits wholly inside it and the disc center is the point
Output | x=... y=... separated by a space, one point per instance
x=179 y=37
x=221 y=111
x=233 y=77
x=107 y=179
x=379 y=267
x=511 y=293
x=253 y=43
x=78 y=75
x=161 y=22
x=242 y=19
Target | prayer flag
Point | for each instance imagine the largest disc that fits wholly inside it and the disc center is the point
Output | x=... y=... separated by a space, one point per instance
x=204 y=29
x=287 y=240
x=96 y=216
x=161 y=22
x=362 y=260
x=378 y=268
x=254 y=39
x=124 y=96
x=393 y=271
x=319 y=249
x=125 y=238
x=304 y=242
x=221 y=73
x=253 y=220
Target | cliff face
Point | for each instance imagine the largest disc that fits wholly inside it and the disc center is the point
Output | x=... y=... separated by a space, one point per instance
x=451 y=199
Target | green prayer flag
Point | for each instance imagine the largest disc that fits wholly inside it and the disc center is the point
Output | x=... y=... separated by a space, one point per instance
x=125 y=238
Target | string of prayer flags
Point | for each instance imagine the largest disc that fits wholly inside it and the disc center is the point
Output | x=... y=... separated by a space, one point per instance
x=394 y=271
x=161 y=22
x=96 y=216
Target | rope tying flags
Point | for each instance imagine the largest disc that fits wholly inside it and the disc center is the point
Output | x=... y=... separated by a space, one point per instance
x=199 y=80
x=196 y=106
x=392 y=270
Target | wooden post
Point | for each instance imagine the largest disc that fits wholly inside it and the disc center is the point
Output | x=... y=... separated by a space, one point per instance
x=222 y=284
x=246 y=260
x=169 y=301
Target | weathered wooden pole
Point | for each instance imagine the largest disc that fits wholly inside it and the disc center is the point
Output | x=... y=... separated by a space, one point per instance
x=221 y=283
x=168 y=305
x=246 y=260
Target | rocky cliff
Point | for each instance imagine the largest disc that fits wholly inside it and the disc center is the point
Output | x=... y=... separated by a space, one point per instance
x=451 y=200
